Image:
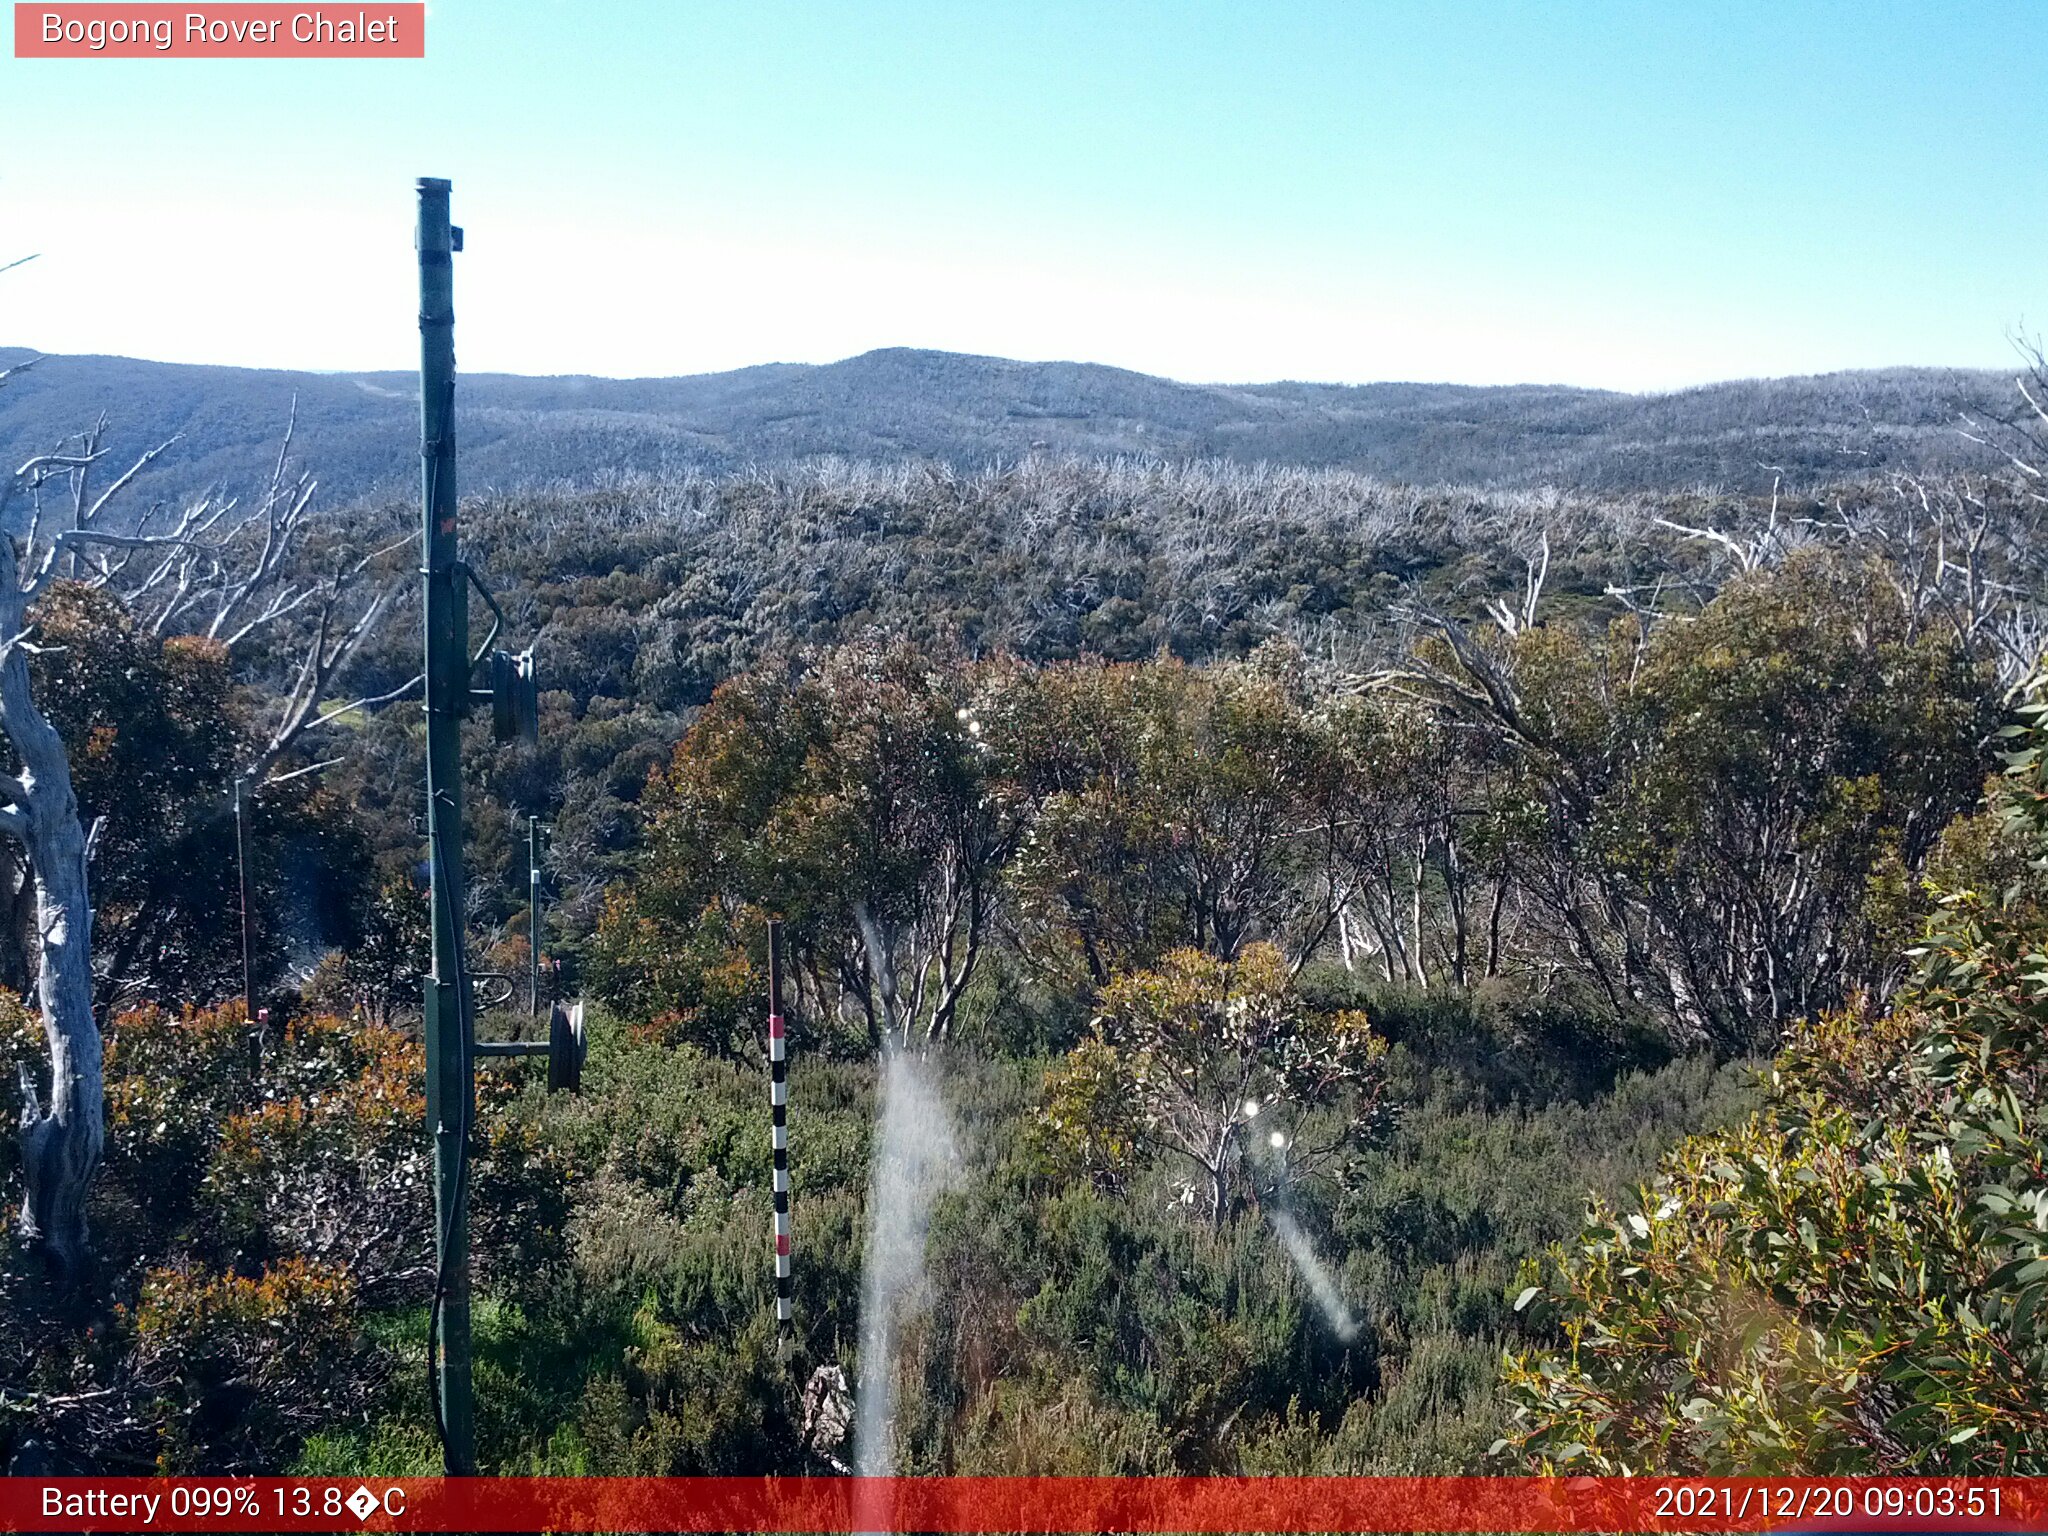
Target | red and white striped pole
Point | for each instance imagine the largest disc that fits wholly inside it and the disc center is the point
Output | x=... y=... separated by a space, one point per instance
x=778 y=1102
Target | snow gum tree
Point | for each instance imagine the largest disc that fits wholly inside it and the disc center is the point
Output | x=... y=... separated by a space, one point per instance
x=218 y=567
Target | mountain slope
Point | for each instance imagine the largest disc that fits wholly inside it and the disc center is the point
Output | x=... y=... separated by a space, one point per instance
x=358 y=432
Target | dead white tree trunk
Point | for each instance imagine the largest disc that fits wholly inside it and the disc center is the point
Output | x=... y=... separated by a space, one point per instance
x=62 y=1128
x=238 y=565
x=60 y=1135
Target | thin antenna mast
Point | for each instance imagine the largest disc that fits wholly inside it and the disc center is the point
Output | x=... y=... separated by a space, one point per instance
x=533 y=838
x=244 y=881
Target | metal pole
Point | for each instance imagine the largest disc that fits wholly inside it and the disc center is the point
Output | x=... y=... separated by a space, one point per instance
x=778 y=1136
x=451 y=1087
x=533 y=914
x=248 y=906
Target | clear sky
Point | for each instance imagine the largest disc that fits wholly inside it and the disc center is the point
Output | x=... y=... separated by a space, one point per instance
x=1639 y=195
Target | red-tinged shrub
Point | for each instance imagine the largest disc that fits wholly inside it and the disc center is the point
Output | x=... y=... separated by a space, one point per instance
x=243 y=1367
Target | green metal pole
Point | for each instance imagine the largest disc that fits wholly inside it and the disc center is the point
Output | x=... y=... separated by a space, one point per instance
x=451 y=1085
x=533 y=914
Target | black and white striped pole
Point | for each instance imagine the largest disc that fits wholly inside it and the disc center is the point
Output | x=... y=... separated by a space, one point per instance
x=778 y=1110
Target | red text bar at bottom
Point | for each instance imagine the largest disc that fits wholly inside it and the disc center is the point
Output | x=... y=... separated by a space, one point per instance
x=1028 y=1504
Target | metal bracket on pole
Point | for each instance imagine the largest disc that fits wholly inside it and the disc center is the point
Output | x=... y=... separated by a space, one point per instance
x=566 y=1047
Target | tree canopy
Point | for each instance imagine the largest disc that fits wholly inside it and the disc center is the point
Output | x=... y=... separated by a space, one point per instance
x=1852 y=1279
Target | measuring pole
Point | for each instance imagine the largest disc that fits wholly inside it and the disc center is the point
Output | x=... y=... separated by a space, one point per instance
x=533 y=914
x=451 y=1085
x=778 y=1135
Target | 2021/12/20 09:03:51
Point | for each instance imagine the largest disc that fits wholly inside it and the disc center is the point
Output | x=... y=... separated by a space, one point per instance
x=1835 y=1503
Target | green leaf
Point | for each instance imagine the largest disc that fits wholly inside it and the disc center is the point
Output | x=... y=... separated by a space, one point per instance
x=2024 y=1309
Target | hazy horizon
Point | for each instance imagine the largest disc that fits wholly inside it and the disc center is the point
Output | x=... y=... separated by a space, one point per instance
x=1601 y=195
x=1053 y=362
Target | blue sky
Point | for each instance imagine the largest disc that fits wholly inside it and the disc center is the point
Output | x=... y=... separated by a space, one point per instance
x=1639 y=195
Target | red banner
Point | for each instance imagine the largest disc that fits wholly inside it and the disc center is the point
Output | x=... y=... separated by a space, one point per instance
x=230 y=31
x=1027 y=1504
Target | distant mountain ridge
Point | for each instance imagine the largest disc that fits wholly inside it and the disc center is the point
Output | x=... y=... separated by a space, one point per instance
x=358 y=432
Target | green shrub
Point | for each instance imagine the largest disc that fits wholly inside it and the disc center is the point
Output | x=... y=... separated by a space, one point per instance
x=1850 y=1281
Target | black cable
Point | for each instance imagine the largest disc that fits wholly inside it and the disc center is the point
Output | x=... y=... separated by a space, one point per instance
x=460 y=1194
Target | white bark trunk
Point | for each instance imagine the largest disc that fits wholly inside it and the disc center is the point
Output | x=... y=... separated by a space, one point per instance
x=61 y=1134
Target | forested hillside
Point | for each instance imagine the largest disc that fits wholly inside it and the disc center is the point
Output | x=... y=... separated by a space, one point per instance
x=359 y=430
x=933 y=910
x=1284 y=896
